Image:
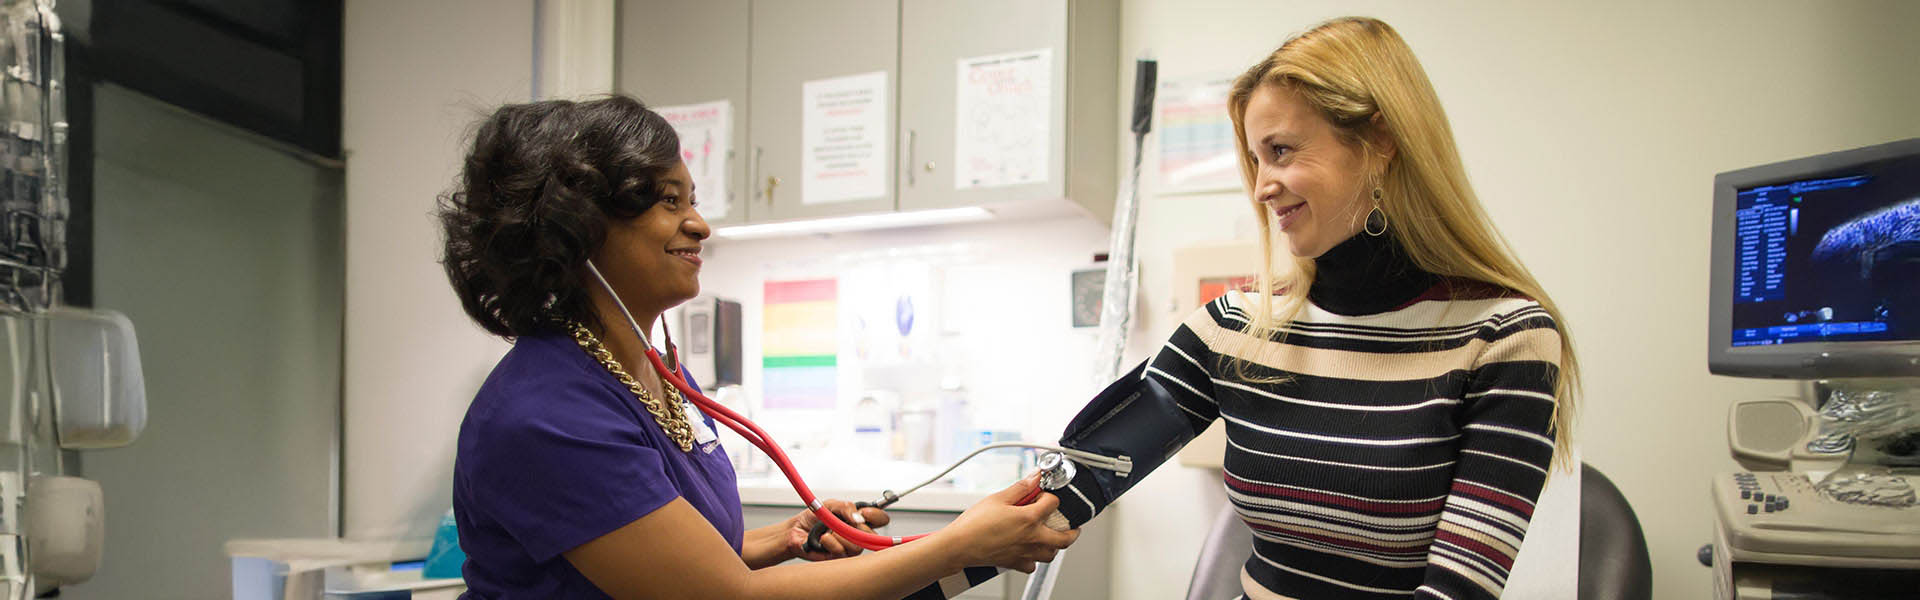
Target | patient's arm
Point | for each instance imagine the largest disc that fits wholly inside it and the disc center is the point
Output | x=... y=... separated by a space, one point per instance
x=1146 y=415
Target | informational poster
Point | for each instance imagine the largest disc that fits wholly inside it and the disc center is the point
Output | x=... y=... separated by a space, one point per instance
x=843 y=138
x=1212 y=288
x=706 y=137
x=1197 y=153
x=801 y=347
x=1001 y=119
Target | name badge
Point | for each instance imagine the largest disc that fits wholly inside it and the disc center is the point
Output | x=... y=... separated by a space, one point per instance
x=702 y=434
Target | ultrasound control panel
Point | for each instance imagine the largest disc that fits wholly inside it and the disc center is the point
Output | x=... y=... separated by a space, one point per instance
x=1781 y=514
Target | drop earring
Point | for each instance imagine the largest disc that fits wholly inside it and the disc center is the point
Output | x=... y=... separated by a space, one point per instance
x=1376 y=225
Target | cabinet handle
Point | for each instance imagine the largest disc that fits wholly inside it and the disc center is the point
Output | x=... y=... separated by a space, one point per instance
x=912 y=136
x=758 y=154
x=771 y=182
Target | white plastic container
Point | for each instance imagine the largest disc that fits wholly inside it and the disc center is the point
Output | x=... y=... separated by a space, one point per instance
x=99 y=394
x=66 y=528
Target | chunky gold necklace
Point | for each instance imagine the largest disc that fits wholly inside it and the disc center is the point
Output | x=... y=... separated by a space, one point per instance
x=669 y=415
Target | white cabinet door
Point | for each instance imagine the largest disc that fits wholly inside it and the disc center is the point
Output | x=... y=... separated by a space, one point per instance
x=846 y=164
x=674 y=53
x=972 y=135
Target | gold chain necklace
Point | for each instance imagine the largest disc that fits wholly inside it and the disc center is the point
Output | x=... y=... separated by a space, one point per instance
x=671 y=418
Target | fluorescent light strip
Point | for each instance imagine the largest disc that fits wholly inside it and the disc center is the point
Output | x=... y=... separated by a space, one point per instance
x=855 y=223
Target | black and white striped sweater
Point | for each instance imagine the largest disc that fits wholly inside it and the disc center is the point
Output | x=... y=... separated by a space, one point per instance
x=1392 y=461
x=1376 y=450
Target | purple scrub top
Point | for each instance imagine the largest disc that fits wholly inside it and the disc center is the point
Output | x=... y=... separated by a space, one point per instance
x=554 y=453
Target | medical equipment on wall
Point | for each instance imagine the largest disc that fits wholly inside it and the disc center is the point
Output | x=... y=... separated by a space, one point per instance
x=1816 y=276
x=712 y=350
x=75 y=382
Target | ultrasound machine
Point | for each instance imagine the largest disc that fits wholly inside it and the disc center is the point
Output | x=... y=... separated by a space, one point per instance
x=1816 y=277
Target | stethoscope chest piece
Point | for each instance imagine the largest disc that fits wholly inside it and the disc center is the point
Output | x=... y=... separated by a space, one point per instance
x=1055 y=471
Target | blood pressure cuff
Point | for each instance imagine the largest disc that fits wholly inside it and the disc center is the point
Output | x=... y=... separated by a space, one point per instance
x=1135 y=417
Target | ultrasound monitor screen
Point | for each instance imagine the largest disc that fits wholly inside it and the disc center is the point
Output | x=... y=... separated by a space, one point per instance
x=1829 y=258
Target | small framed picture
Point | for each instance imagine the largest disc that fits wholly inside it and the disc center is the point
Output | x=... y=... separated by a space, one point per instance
x=1089 y=286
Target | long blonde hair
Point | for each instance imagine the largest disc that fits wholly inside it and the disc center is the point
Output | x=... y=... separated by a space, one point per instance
x=1362 y=77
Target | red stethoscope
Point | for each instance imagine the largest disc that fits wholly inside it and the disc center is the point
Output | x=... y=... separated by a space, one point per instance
x=1056 y=470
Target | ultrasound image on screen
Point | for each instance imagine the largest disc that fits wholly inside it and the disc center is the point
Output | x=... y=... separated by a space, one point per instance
x=1829 y=258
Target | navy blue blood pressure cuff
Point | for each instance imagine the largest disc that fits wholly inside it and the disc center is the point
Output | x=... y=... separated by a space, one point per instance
x=1135 y=417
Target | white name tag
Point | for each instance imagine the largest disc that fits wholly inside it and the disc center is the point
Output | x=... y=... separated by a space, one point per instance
x=702 y=434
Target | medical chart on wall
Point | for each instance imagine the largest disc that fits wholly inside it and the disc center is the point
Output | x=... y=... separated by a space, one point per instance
x=800 y=348
x=844 y=138
x=1001 y=118
x=706 y=137
x=1197 y=153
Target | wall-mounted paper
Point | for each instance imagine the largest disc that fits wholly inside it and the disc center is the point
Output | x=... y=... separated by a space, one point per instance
x=1211 y=288
x=1001 y=118
x=800 y=349
x=706 y=138
x=844 y=138
x=1197 y=153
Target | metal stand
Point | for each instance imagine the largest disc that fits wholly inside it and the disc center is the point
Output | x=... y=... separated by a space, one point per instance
x=1116 y=310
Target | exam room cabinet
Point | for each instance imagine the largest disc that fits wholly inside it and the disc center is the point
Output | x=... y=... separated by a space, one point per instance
x=795 y=42
x=759 y=55
x=1078 y=39
x=676 y=52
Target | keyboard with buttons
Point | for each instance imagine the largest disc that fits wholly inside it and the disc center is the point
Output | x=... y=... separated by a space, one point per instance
x=1783 y=513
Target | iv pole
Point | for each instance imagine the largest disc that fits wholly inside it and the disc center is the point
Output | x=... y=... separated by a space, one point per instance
x=1117 y=301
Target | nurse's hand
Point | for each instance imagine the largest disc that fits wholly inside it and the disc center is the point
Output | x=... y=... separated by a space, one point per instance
x=864 y=519
x=996 y=532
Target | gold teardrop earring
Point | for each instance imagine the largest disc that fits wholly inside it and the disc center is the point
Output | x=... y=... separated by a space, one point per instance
x=1376 y=225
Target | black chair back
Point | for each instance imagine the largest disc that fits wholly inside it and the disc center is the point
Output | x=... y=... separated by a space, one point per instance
x=1613 y=550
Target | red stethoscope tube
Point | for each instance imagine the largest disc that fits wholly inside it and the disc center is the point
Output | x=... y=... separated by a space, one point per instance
x=754 y=435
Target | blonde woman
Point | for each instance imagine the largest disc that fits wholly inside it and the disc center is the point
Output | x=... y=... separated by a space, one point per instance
x=1399 y=386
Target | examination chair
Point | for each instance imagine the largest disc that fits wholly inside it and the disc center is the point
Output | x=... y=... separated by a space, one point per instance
x=1614 y=564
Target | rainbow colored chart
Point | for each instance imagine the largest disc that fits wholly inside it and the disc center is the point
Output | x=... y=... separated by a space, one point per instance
x=801 y=346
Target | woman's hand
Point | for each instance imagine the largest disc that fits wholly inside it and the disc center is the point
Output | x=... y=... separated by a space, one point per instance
x=996 y=532
x=864 y=519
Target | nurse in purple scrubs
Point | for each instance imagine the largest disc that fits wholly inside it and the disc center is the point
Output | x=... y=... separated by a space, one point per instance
x=579 y=474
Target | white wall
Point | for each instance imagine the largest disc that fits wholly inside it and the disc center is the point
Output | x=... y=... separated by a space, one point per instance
x=415 y=75
x=1592 y=132
x=996 y=319
x=225 y=252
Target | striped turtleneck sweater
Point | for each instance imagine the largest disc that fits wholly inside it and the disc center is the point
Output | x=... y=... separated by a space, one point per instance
x=1390 y=441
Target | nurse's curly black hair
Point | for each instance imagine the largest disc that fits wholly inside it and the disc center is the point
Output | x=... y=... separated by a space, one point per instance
x=533 y=201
